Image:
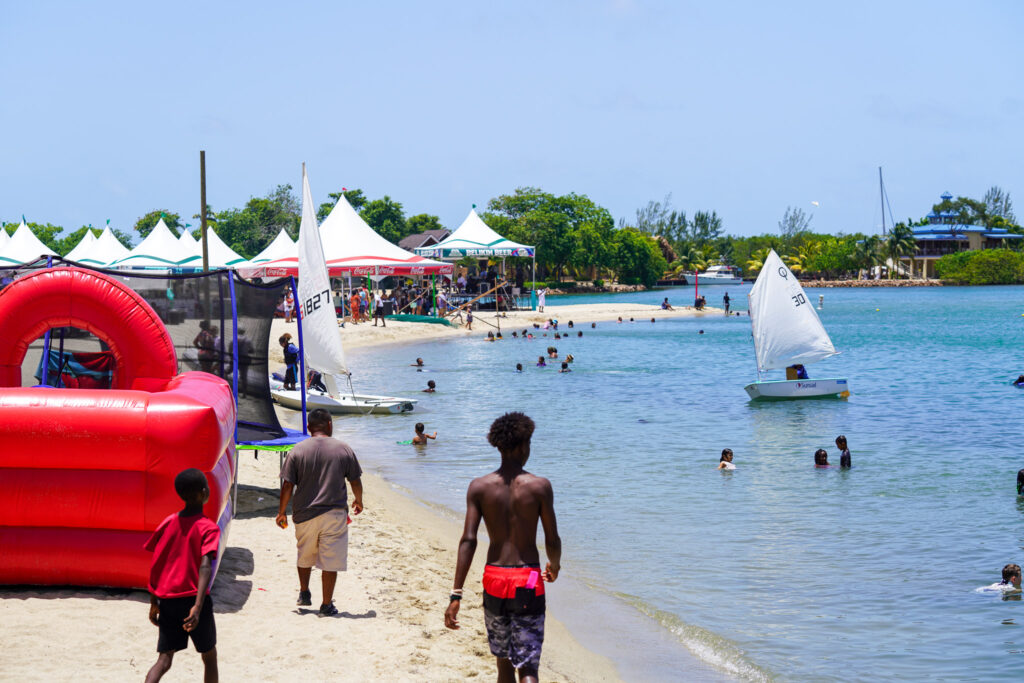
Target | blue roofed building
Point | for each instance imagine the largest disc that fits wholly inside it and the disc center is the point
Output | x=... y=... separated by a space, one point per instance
x=945 y=234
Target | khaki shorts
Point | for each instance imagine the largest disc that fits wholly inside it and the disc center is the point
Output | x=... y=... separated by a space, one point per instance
x=323 y=541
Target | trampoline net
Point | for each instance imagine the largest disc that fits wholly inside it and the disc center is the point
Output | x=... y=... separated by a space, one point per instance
x=196 y=309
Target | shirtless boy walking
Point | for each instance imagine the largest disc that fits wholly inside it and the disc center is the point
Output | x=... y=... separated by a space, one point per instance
x=511 y=502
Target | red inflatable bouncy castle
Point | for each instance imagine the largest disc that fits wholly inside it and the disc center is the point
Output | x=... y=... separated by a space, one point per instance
x=87 y=474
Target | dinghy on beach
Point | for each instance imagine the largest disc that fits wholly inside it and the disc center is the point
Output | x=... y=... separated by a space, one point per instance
x=341 y=403
x=321 y=344
x=787 y=332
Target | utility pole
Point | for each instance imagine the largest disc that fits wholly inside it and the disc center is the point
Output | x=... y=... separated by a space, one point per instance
x=202 y=209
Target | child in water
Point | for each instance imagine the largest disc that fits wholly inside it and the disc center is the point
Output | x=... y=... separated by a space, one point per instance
x=565 y=368
x=821 y=458
x=431 y=387
x=1010 y=582
x=540 y=362
x=421 y=437
x=845 y=460
x=725 y=462
x=519 y=367
x=490 y=337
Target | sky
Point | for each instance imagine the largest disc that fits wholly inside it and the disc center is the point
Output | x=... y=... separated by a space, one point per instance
x=744 y=108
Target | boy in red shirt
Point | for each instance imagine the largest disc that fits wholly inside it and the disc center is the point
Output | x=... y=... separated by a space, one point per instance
x=184 y=547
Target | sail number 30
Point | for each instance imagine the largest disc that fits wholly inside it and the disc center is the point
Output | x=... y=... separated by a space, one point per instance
x=313 y=303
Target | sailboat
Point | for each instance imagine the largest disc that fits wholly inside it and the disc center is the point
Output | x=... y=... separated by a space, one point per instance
x=321 y=344
x=787 y=332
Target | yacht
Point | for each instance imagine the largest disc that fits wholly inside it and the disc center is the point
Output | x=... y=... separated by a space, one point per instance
x=717 y=275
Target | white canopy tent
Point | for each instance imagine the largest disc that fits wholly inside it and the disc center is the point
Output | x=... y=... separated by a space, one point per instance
x=475 y=238
x=190 y=242
x=5 y=239
x=281 y=247
x=219 y=255
x=160 y=249
x=103 y=251
x=24 y=247
x=82 y=248
x=353 y=247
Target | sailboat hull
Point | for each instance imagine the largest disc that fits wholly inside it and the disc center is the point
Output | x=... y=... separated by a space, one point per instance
x=358 y=404
x=783 y=390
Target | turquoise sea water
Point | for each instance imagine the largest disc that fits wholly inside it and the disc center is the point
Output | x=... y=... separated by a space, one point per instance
x=777 y=570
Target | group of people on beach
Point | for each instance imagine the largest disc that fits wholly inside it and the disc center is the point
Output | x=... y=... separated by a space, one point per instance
x=315 y=478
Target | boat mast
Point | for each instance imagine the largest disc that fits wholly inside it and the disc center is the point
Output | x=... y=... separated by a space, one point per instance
x=881 y=193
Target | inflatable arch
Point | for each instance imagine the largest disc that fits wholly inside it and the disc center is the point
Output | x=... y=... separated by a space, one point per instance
x=85 y=474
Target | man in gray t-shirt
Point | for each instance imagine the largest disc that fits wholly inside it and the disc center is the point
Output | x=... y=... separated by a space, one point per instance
x=313 y=479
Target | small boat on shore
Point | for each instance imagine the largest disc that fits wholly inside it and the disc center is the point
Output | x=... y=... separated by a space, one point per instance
x=787 y=332
x=356 y=404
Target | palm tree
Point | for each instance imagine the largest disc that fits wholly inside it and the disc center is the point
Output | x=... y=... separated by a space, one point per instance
x=691 y=259
x=867 y=252
x=901 y=242
x=803 y=257
x=756 y=262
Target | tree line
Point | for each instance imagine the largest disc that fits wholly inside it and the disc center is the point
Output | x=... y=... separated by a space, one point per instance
x=576 y=238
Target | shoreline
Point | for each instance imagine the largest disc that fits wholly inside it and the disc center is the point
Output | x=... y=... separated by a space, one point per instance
x=830 y=284
x=363 y=334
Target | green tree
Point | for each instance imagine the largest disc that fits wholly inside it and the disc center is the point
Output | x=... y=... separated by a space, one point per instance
x=967 y=211
x=422 y=222
x=146 y=223
x=553 y=225
x=385 y=215
x=705 y=228
x=868 y=252
x=250 y=229
x=835 y=257
x=637 y=258
x=794 y=222
x=998 y=206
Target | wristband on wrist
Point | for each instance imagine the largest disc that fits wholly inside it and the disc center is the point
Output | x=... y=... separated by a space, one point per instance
x=453 y=598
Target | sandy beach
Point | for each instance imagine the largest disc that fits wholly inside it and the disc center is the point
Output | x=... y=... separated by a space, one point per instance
x=392 y=600
x=401 y=562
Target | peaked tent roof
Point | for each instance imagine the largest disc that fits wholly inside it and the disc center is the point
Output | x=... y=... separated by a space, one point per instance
x=352 y=246
x=24 y=247
x=281 y=247
x=189 y=241
x=475 y=238
x=160 y=249
x=82 y=248
x=5 y=239
x=219 y=254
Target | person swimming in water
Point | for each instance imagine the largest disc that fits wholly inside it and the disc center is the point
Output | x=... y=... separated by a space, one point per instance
x=431 y=387
x=421 y=436
x=1019 y=382
x=489 y=337
x=1010 y=582
x=593 y=326
x=552 y=352
x=417 y=364
x=515 y=335
x=519 y=367
x=725 y=462
x=821 y=458
x=845 y=459
x=569 y=358
x=1020 y=482
x=580 y=333
x=565 y=367
x=570 y=324
x=620 y=319
x=540 y=362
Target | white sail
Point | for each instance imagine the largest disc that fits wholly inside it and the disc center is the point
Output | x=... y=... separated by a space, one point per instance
x=786 y=328
x=320 y=338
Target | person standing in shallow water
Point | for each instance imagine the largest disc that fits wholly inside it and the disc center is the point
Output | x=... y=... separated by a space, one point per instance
x=511 y=501
x=845 y=459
